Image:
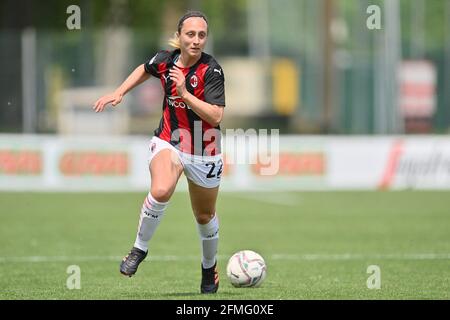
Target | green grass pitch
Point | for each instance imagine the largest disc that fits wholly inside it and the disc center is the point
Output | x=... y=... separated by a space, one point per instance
x=317 y=245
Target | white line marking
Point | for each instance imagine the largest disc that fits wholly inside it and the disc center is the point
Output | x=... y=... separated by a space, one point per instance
x=349 y=256
x=282 y=257
x=275 y=199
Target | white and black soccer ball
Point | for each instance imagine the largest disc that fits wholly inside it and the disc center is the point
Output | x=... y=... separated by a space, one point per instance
x=246 y=268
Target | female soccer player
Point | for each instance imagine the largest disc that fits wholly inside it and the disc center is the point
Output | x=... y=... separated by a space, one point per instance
x=187 y=140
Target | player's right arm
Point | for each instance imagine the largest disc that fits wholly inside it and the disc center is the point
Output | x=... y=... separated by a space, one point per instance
x=138 y=76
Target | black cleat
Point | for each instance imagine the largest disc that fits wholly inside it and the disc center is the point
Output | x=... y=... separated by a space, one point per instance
x=131 y=261
x=210 y=279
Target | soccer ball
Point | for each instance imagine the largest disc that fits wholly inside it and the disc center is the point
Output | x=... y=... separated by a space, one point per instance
x=246 y=268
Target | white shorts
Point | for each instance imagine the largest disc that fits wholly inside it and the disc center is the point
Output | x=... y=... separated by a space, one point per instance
x=203 y=171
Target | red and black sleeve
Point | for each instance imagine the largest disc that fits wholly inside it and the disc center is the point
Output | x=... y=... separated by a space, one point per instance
x=151 y=66
x=215 y=85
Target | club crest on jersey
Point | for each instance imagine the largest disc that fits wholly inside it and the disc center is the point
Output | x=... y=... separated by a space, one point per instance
x=194 y=81
x=152 y=148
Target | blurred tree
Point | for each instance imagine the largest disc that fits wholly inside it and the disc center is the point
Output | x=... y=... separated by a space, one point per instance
x=433 y=17
x=433 y=20
x=228 y=20
x=51 y=14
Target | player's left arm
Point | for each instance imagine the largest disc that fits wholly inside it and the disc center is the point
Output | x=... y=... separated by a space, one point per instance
x=211 y=113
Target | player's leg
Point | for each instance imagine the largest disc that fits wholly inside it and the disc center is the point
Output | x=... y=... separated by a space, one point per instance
x=165 y=170
x=203 y=201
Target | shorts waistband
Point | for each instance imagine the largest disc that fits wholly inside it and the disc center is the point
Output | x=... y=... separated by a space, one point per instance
x=199 y=159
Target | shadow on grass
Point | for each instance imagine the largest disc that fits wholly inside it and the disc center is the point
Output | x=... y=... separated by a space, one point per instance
x=199 y=295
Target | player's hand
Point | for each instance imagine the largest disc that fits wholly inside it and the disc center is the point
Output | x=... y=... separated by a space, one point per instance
x=113 y=98
x=177 y=76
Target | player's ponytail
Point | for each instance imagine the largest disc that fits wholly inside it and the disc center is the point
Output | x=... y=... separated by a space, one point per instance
x=175 y=41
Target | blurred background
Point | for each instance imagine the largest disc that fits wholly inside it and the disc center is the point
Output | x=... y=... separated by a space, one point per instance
x=326 y=68
x=298 y=65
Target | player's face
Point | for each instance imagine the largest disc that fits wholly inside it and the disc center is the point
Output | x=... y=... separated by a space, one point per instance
x=194 y=33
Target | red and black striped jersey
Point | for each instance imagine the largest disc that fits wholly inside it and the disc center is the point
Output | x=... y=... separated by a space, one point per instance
x=179 y=125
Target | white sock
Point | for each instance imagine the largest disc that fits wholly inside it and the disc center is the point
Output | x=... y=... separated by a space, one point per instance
x=209 y=237
x=151 y=214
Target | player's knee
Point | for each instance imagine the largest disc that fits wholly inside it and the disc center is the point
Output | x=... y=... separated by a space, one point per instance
x=161 y=194
x=204 y=218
